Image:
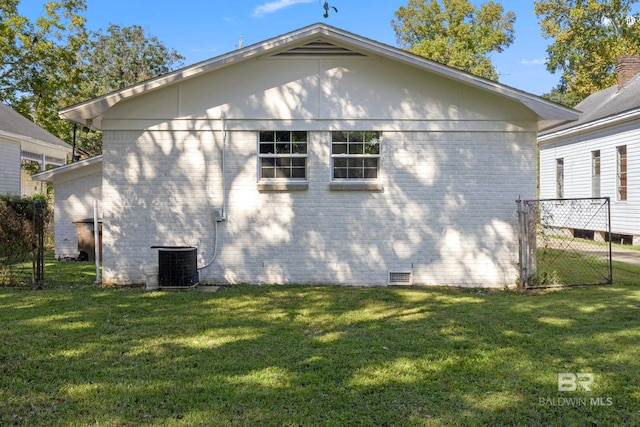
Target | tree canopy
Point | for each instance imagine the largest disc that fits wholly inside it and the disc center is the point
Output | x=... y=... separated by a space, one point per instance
x=455 y=32
x=53 y=61
x=587 y=37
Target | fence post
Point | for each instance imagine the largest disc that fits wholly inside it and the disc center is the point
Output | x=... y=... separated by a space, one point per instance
x=38 y=245
x=522 y=250
x=96 y=236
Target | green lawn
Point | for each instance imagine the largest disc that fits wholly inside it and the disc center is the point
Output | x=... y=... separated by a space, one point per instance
x=80 y=354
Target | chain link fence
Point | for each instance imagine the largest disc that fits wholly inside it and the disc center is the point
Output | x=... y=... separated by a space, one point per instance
x=564 y=242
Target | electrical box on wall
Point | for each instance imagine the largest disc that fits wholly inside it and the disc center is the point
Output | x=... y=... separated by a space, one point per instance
x=218 y=215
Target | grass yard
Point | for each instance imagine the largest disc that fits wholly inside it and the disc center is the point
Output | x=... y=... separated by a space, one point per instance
x=80 y=354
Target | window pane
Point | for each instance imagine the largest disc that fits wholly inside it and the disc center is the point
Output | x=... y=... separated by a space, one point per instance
x=298 y=173
x=299 y=148
x=357 y=162
x=372 y=148
x=355 y=173
x=267 y=136
x=267 y=162
x=283 y=148
x=356 y=136
x=371 y=173
x=282 y=136
x=340 y=163
x=299 y=136
x=370 y=163
x=339 y=136
x=339 y=173
x=267 y=173
x=371 y=136
x=339 y=148
x=283 y=161
x=356 y=148
x=298 y=161
x=267 y=148
x=282 y=173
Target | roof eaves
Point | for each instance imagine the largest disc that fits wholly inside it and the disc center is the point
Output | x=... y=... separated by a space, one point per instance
x=23 y=138
x=51 y=173
x=548 y=111
x=591 y=125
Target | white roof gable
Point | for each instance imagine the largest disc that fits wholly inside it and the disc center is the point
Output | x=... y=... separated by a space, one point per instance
x=310 y=40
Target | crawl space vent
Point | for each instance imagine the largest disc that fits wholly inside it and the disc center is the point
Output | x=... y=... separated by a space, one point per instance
x=400 y=278
x=319 y=48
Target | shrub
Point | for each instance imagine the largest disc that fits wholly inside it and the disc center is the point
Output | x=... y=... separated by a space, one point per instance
x=16 y=233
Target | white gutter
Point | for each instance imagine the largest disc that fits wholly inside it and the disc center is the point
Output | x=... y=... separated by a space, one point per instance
x=22 y=138
x=593 y=125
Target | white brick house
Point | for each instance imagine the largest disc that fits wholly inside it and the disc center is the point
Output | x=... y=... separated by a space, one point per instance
x=331 y=159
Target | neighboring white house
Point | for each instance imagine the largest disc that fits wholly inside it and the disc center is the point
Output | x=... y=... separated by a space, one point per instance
x=20 y=140
x=599 y=155
x=77 y=186
x=318 y=157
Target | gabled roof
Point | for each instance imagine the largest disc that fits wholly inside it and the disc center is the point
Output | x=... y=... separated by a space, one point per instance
x=15 y=126
x=89 y=113
x=605 y=107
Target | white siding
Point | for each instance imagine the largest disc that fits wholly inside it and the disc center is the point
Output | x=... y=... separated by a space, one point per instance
x=576 y=151
x=9 y=167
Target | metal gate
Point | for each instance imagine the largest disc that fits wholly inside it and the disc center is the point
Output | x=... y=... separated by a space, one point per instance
x=564 y=242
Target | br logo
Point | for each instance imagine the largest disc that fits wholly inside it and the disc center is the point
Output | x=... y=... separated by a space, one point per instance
x=570 y=382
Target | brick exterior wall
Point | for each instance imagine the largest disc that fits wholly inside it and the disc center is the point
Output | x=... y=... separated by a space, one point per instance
x=74 y=200
x=447 y=211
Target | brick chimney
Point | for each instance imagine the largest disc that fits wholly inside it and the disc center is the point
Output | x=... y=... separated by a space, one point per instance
x=627 y=66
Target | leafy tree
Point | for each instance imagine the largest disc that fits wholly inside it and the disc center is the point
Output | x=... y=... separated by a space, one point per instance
x=38 y=59
x=54 y=62
x=117 y=58
x=587 y=37
x=122 y=57
x=455 y=32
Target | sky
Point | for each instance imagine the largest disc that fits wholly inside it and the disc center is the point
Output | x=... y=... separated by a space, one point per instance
x=203 y=29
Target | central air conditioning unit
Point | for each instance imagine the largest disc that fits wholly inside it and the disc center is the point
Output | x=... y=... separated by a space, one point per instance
x=177 y=266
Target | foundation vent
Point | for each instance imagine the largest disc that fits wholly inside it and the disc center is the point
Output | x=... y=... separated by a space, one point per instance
x=400 y=278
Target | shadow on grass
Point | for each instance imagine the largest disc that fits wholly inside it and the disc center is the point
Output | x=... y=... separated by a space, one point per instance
x=317 y=356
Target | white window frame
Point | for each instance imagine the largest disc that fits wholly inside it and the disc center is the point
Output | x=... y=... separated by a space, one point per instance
x=348 y=142
x=596 y=169
x=280 y=154
x=560 y=178
x=622 y=183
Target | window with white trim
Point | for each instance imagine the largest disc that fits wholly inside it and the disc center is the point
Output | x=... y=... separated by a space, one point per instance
x=283 y=155
x=355 y=155
x=621 y=173
x=559 y=178
x=595 y=173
